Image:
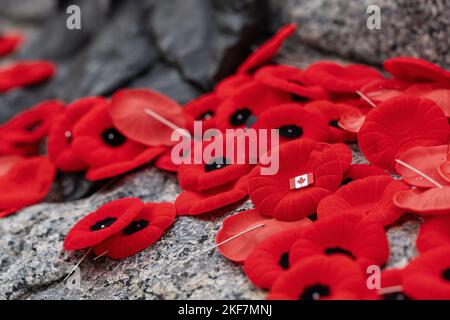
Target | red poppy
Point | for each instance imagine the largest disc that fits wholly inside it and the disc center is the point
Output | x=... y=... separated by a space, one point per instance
x=354 y=236
x=370 y=196
x=59 y=144
x=380 y=91
x=352 y=121
x=344 y=154
x=270 y=258
x=286 y=78
x=145 y=229
x=107 y=152
x=164 y=162
x=321 y=278
x=426 y=160
x=393 y=279
x=103 y=223
x=437 y=92
x=9 y=43
x=240 y=248
x=129 y=112
x=252 y=99
x=25 y=182
x=415 y=70
x=23 y=74
x=341 y=79
x=31 y=126
x=360 y=171
x=293 y=122
x=428 y=276
x=191 y=203
x=202 y=109
x=332 y=112
x=19 y=149
x=272 y=194
x=264 y=54
x=398 y=125
x=432 y=201
x=435 y=232
x=228 y=86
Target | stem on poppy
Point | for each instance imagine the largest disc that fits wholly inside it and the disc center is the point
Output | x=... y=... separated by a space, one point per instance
x=389 y=290
x=78 y=264
x=366 y=98
x=233 y=237
x=420 y=173
x=166 y=122
x=100 y=255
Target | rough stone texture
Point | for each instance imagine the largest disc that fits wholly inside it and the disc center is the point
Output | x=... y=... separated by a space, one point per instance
x=408 y=27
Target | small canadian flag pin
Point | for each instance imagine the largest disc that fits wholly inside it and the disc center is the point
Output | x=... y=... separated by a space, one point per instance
x=301 y=182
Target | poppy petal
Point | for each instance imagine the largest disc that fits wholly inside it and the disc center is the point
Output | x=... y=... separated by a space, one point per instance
x=202 y=109
x=240 y=248
x=380 y=91
x=9 y=43
x=439 y=93
x=359 y=171
x=165 y=163
x=444 y=170
x=25 y=73
x=415 y=70
x=432 y=201
x=228 y=86
x=352 y=121
x=393 y=278
x=434 y=233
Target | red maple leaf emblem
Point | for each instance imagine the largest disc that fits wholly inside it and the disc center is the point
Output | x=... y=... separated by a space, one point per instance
x=301 y=180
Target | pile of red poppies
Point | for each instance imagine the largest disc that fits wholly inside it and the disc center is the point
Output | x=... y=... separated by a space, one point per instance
x=319 y=223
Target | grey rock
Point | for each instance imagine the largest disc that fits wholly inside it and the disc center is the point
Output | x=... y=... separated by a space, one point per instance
x=28 y=10
x=413 y=28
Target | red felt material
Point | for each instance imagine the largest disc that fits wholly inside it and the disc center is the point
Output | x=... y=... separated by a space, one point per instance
x=399 y=124
x=393 y=278
x=352 y=121
x=434 y=201
x=25 y=73
x=270 y=258
x=344 y=154
x=59 y=145
x=143 y=231
x=9 y=42
x=165 y=163
x=379 y=91
x=340 y=79
x=359 y=171
x=240 y=248
x=415 y=70
x=434 y=233
x=228 y=86
x=437 y=92
x=354 y=236
x=202 y=109
x=427 y=277
x=370 y=196
x=95 y=227
x=272 y=195
x=341 y=277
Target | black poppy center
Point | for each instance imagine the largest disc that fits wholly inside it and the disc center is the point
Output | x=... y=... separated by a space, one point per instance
x=346 y=181
x=334 y=123
x=205 y=116
x=290 y=131
x=446 y=274
x=339 y=250
x=216 y=164
x=113 y=137
x=33 y=126
x=315 y=292
x=135 y=226
x=284 y=261
x=313 y=217
x=102 y=224
x=395 y=296
x=240 y=117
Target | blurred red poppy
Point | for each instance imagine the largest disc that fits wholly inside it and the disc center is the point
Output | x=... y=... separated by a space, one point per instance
x=415 y=70
x=25 y=73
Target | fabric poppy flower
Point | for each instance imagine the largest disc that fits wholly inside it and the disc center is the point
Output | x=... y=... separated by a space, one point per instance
x=165 y=163
x=59 y=145
x=434 y=233
x=437 y=92
x=264 y=54
x=379 y=91
x=293 y=122
x=242 y=109
x=428 y=276
x=354 y=236
x=344 y=154
x=24 y=182
x=144 y=230
x=129 y=113
x=321 y=278
x=415 y=70
x=192 y=203
x=272 y=194
x=31 y=126
x=370 y=196
x=341 y=79
x=25 y=73
x=360 y=171
x=352 y=121
x=270 y=258
x=393 y=278
x=427 y=160
x=103 y=223
x=240 y=248
x=434 y=201
x=287 y=78
x=107 y=152
x=202 y=109
x=228 y=86
x=398 y=125
x=332 y=113
x=9 y=43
